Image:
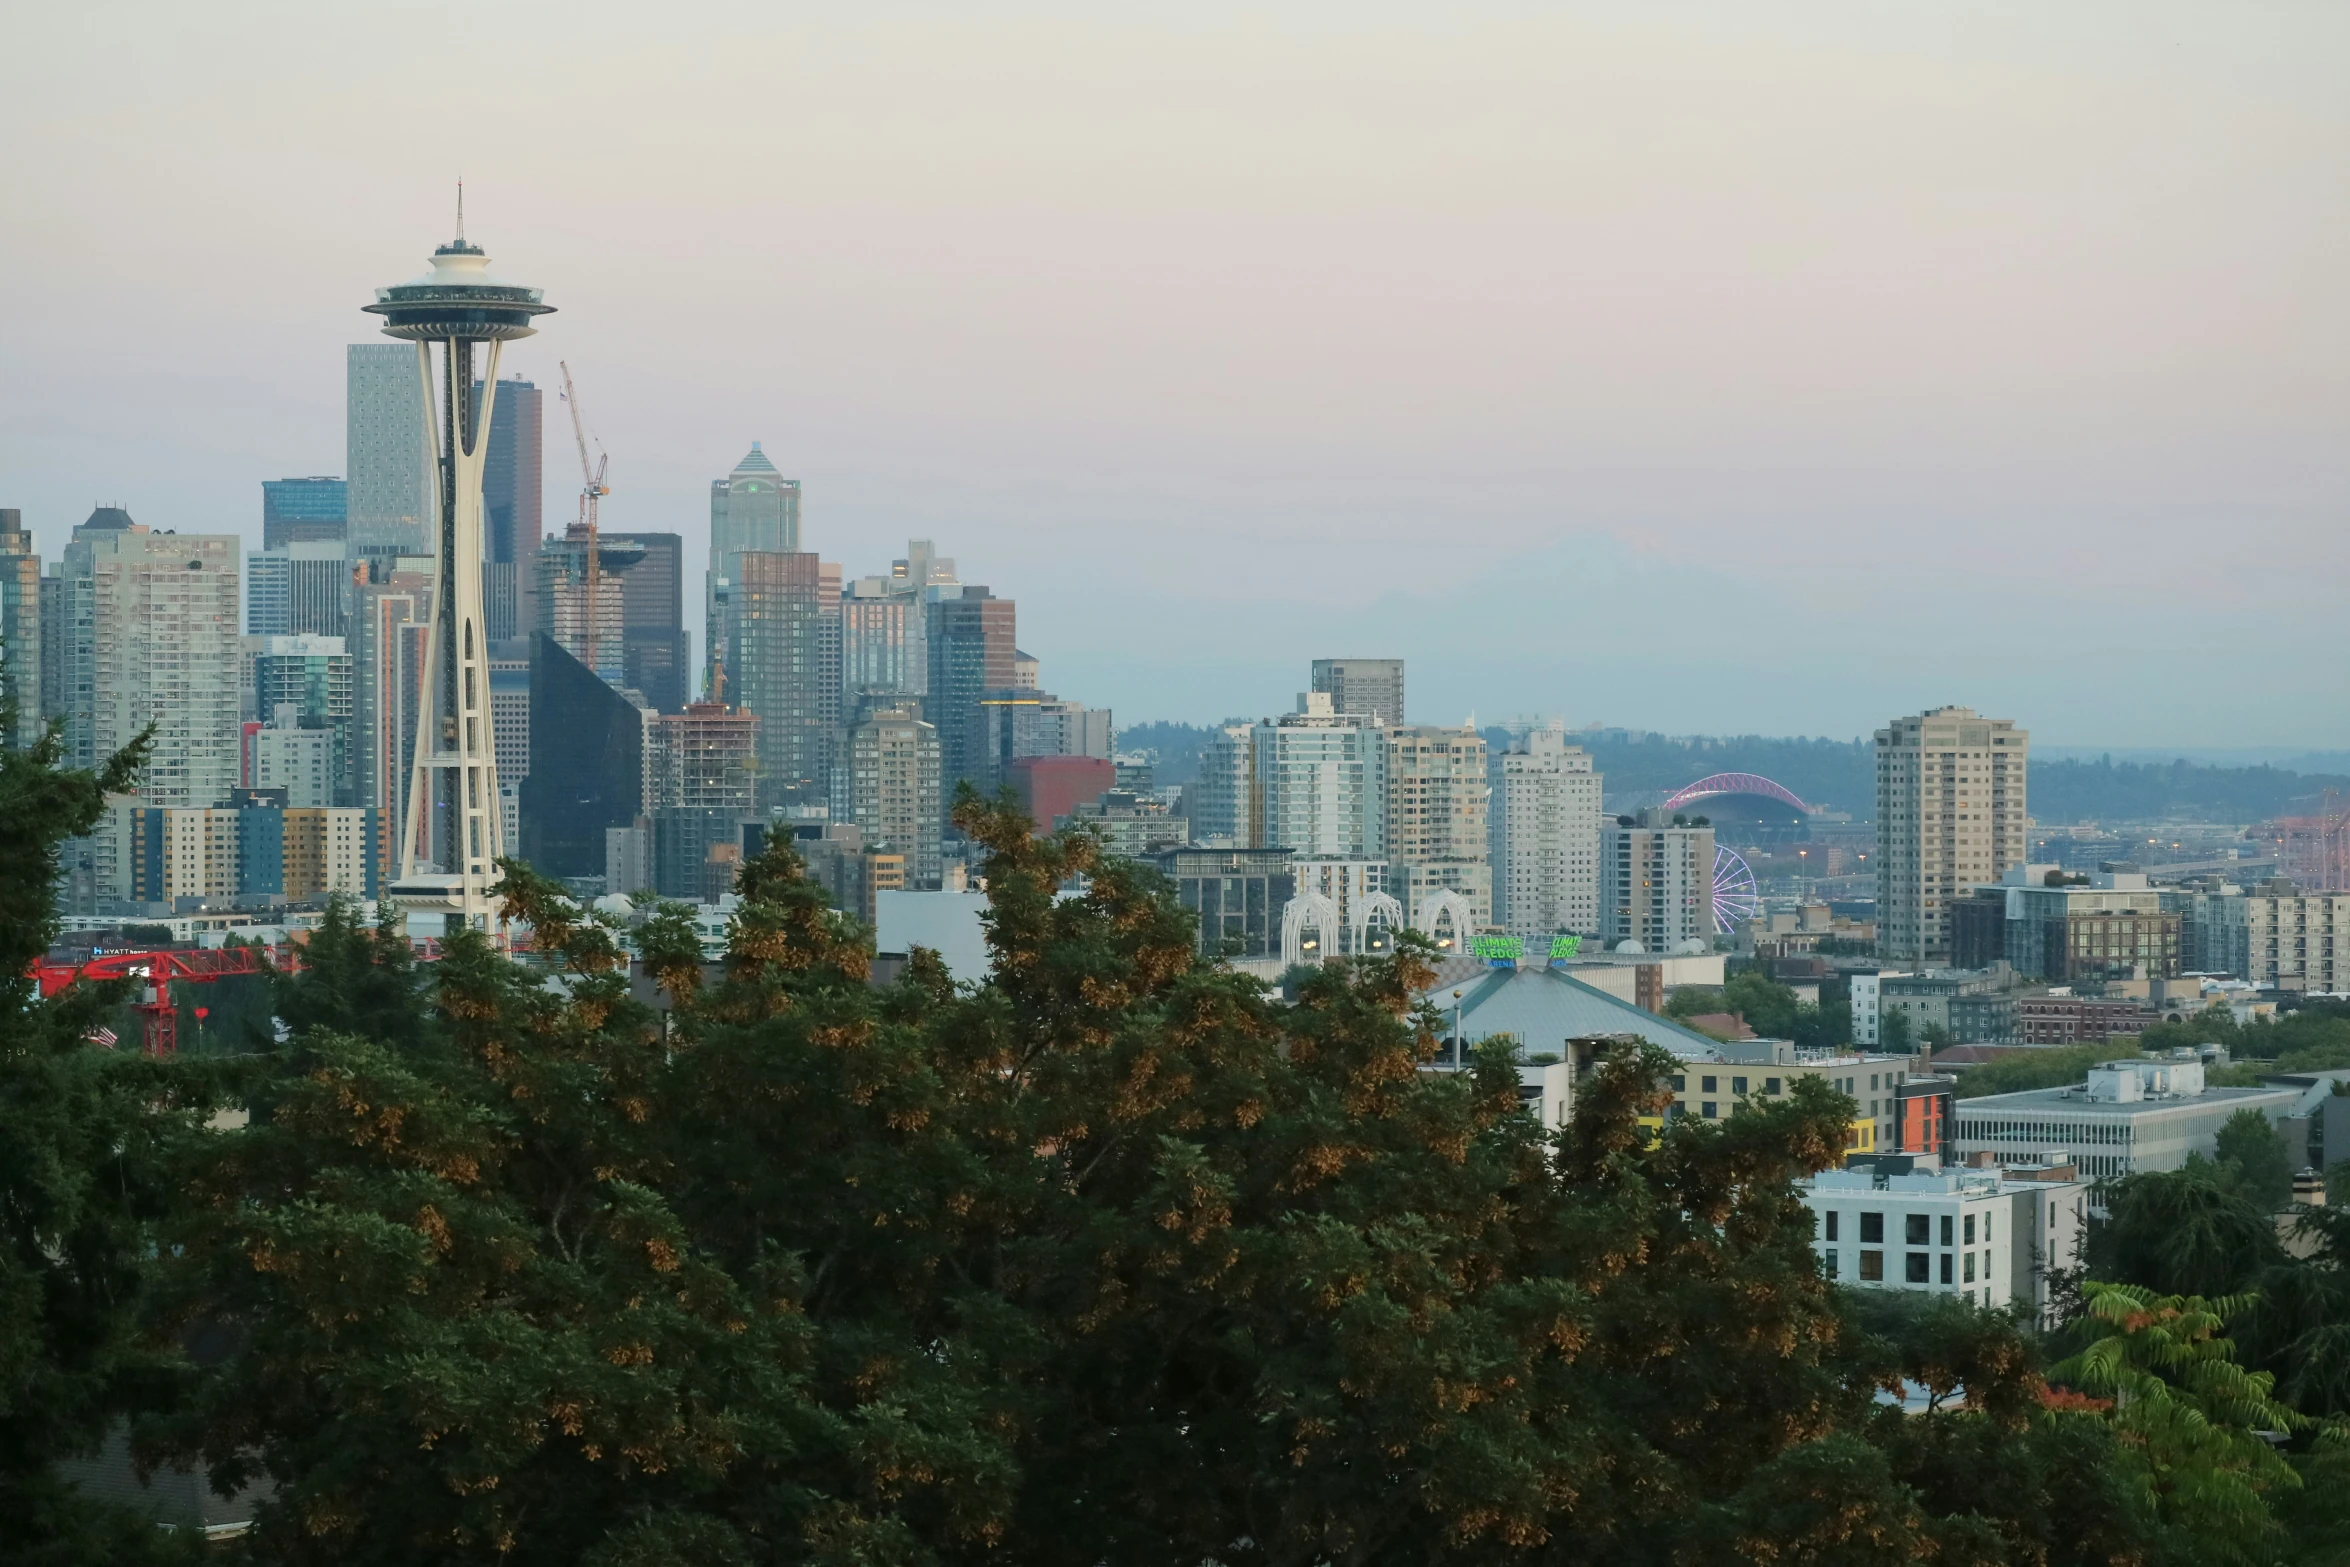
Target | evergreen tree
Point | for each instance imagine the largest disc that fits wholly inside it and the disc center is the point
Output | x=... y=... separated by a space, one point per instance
x=81 y=1133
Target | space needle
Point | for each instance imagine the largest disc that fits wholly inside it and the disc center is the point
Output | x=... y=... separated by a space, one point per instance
x=451 y=831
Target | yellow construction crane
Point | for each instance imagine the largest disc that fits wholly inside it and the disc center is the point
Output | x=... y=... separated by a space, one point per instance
x=592 y=489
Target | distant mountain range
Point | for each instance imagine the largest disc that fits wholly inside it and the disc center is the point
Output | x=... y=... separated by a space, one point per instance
x=2068 y=783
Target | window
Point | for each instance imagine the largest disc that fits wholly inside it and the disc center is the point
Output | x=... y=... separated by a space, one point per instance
x=1828 y=1261
x=1770 y=1085
x=1706 y=1085
x=1946 y=1267
x=1872 y=1079
x=1970 y=1267
x=1986 y=1229
x=1872 y=1267
x=2051 y=1218
x=1831 y=1224
x=1680 y=1085
x=1872 y=1228
x=1915 y=1265
x=1707 y=1109
x=1986 y=1265
x=1946 y=1225
x=1738 y=1085
x=1970 y=1227
x=1919 y=1229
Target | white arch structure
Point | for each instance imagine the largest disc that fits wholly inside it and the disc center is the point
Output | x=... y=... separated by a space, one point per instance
x=1314 y=910
x=1370 y=906
x=1442 y=904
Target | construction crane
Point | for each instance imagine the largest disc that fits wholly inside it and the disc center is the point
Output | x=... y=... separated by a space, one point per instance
x=592 y=489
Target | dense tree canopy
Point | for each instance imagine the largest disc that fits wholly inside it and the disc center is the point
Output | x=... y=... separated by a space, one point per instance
x=1113 y=1258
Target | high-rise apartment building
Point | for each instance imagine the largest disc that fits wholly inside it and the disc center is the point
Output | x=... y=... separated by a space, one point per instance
x=1317 y=783
x=1545 y=836
x=1371 y=687
x=386 y=644
x=304 y=511
x=775 y=621
x=313 y=676
x=513 y=478
x=971 y=637
x=390 y=494
x=752 y=508
x=1656 y=881
x=655 y=655
x=1950 y=816
x=20 y=631
x=158 y=646
x=297 y=590
x=1219 y=801
x=1436 y=818
x=888 y=787
x=510 y=719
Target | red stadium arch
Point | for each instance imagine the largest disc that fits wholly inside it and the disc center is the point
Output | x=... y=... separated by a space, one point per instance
x=1733 y=783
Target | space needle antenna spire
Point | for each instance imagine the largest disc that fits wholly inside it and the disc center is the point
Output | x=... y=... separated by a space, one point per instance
x=452 y=830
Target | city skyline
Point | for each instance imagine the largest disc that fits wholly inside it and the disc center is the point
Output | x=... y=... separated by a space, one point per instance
x=1780 y=327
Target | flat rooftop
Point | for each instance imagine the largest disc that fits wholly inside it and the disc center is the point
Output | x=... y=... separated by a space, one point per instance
x=2072 y=1101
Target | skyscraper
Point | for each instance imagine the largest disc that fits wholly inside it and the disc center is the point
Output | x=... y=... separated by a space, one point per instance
x=889 y=789
x=313 y=676
x=1437 y=837
x=385 y=640
x=752 y=508
x=454 y=830
x=561 y=597
x=20 y=629
x=1318 y=783
x=774 y=622
x=390 y=490
x=315 y=510
x=154 y=641
x=513 y=478
x=971 y=640
x=655 y=655
x=1545 y=830
x=587 y=768
x=1372 y=687
x=1950 y=816
x=297 y=590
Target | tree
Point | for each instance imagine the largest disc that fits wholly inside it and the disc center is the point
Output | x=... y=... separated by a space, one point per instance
x=2252 y=1149
x=2191 y=1418
x=81 y=1130
x=2190 y=1231
x=1893 y=1036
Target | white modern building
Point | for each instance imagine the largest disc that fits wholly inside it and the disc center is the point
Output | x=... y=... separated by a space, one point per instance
x=1868 y=1002
x=2129 y=1116
x=152 y=639
x=1950 y=817
x=1544 y=824
x=1656 y=882
x=1985 y=1235
x=386 y=451
x=284 y=755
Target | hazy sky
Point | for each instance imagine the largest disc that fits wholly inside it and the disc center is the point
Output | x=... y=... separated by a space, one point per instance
x=1697 y=367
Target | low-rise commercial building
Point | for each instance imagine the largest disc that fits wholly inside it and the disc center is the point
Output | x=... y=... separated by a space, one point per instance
x=1763 y=1070
x=2077 y=1020
x=1990 y=1236
x=2128 y=1116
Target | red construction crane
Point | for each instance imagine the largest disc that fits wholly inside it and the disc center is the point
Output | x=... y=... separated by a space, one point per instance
x=156 y=972
x=592 y=489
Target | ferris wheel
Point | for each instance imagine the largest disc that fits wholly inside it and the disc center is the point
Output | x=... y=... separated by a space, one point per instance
x=1734 y=896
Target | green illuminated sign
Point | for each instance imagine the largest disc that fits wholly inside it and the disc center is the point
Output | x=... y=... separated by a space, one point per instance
x=1564 y=947
x=1498 y=949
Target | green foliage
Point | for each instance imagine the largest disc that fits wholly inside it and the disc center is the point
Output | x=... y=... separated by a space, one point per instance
x=2252 y=1151
x=2190 y=1418
x=81 y=1132
x=1770 y=1009
x=2054 y=1067
x=1893 y=1036
x=2191 y=1231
